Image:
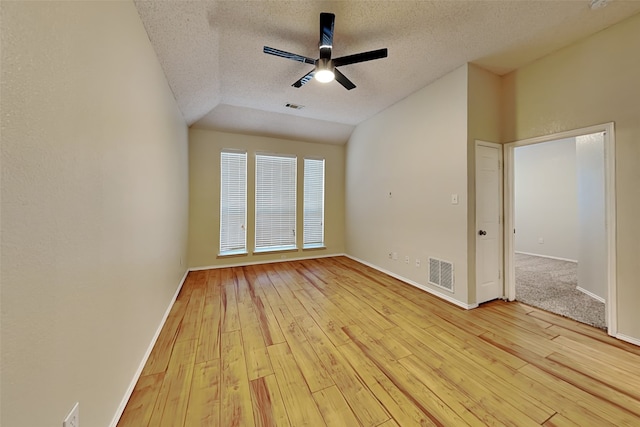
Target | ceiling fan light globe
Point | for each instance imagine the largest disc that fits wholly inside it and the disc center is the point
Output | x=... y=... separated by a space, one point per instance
x=324 y=76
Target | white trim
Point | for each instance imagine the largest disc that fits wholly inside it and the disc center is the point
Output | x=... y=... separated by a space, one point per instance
x=271 y=261
x=628 y=339
x=313 y=246
x=610 y=208
x=136 y=376
x=488 y=144
x=234 y=150
x=275 y=154
x=236 y=252
x=509 y=224
x=416 y=284
x=546 y=256
x=611 y=306
x=275 y=249
x=314 y=158
x=604 y=127
x=591 y=294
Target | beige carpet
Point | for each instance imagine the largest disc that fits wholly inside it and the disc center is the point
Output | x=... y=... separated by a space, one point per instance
x=550 y=284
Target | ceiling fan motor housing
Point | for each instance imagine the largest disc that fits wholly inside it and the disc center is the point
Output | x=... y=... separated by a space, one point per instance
x=324 y=64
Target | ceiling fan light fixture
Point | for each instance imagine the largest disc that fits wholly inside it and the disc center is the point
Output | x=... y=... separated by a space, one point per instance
x=324 y=71
x=324 y=75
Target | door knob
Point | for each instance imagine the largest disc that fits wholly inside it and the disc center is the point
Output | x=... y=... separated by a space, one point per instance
x=482 y=233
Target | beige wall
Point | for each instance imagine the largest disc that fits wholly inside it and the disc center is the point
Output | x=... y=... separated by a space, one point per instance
x=417 y=151
x=546 y=199
x=94 y=207
x=483 y=124
x=95 y=185
x=484 y=107
x=592 y=82
x=204 y=178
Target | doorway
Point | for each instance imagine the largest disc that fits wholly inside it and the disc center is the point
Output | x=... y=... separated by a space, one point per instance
x=559 y=221
x=584 y=222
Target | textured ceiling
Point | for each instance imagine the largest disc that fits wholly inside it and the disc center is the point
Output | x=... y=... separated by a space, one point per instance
x=211 y=53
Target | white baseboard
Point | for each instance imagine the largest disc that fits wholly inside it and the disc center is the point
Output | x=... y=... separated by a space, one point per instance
x=628 y=339
x=136 y=376
x=547 y=256
x=416 y=284
x=272 y=261
x=591 y=294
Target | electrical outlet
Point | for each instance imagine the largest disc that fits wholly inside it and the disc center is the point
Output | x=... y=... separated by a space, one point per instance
x=73 y=419
x=394 y=255
x=417 y=262
x=406 y=259
x=541 y=240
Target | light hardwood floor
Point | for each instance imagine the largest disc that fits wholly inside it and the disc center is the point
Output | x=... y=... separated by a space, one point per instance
x=333 y=342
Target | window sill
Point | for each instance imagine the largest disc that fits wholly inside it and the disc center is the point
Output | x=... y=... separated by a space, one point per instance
x=277 y=249
x=228 y=254
x=314 y=247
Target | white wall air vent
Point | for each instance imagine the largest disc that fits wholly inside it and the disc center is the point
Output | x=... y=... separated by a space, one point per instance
x=441 y=273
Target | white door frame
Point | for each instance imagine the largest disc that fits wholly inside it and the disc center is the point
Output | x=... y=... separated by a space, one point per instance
x=499 y=147
x=610 y=212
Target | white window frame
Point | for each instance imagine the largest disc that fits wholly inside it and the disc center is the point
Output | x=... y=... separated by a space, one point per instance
x=313 y=201
x=233 y=242
x=271 y=231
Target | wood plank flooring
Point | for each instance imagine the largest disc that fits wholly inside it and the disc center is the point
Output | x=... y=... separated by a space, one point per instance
x=333 y=342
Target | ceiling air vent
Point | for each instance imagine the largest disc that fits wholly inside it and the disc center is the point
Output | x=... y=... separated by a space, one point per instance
x=294 y=106
x=598 y=4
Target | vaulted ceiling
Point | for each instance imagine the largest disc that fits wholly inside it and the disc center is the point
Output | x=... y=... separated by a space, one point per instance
x=211 y=53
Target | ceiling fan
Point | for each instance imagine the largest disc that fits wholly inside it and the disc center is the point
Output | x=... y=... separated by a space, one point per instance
x=325 y=67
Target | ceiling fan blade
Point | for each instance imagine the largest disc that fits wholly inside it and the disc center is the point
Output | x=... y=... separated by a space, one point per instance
x=343 y=80
x=360 y=57
x=288 y=55
x=305 y=79
x=327 y=21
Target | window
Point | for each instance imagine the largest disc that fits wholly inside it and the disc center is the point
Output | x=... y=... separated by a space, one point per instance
x=233 y=202
x=313 y=233
x=275 y=202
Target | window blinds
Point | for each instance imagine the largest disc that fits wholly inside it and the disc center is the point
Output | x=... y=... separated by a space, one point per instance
x=233 y=202
x=313 y=202
x=275 y=202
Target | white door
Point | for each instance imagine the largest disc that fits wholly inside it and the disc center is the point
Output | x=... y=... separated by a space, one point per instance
x=489 y=284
